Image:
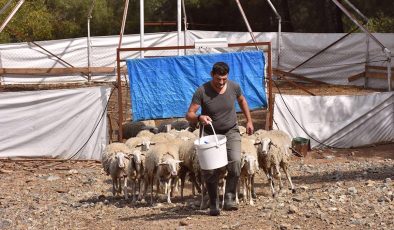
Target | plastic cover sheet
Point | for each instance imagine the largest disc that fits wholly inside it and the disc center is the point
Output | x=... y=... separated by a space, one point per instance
x=344 y=59
x=337 y=121
x=63 y=124
x=163 y=87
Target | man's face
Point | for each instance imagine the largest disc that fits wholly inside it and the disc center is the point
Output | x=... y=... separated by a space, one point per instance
x=219 y=81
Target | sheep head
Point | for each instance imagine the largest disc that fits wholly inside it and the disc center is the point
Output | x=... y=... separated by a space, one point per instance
x=265 y=145
x=168 y=168
x=250 y=163
x=120 y=158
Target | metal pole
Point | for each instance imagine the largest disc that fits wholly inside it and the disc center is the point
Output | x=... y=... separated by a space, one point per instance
x=126 y=8
x=5 y=7
x=357 y=11
x=246 y=22
x=88 y=40
x=11 y=15
x=384 y=49
x=278 y=42
x=185 y=24
x=142 y=27
x=179 y=23
x=366 y=61
x=388 y=54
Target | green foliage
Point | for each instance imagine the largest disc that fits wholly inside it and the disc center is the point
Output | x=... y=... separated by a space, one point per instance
x=381 y=24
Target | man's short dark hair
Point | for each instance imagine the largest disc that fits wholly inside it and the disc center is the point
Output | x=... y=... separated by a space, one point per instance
x=220 y=68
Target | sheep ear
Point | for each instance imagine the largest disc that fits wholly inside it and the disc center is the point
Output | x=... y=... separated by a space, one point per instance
x=152 y=143
x=257 y=142
x=178 y=161
x=139 y=145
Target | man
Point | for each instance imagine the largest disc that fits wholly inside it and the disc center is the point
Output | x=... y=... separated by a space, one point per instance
x=217 y=101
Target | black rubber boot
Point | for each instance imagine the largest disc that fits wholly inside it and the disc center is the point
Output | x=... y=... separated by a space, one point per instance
x=229 y=197
x=212 y=189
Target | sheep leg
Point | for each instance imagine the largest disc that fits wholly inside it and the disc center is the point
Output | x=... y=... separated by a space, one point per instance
x=271 y=182
x=133 y=191
x=113 y=186
x=169 y=190
x=151 y=191
x=244 y=188
x=119 y=185
x=140 y=183
x=224 y=191
x=250 y=190
x=253 y=191
x=236 y=193
x=286 y=170
x=183 y=185
x=126 y=196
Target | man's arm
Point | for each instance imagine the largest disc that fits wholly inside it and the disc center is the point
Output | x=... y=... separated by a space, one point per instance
x=245 y=109
x=192 y=117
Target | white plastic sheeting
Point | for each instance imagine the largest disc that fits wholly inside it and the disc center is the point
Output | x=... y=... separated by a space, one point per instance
x=337 y=121
x=64 y=124
x=335 y=65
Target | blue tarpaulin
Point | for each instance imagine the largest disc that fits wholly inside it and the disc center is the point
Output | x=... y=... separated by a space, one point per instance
x=163 y=87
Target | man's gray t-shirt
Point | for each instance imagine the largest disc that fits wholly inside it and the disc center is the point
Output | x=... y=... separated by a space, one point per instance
x=220 y=107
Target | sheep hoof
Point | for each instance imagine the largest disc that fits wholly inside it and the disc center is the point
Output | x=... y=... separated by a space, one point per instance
x=293 y=190
x=273 y=195
x=254 y=196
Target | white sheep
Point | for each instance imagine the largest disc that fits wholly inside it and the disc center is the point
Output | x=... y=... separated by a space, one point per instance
x=162 y=138
x=189 y=165
x=135 y=172
x=274 y=153
x=249 y=167
x=161 y=164
x=145 y=134
x=115 y=161
x=141 y=143
x=183 y=134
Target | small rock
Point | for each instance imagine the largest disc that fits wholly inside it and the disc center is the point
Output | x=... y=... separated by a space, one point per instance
x=384 y=199
x=329 y=157
x=5 y=223
x=284 y=226
x=297 y=198
x=52 y=178
x=357 y=215
x=352 y=190
x=387 y=180
x=370 y=183
x=106 y=201
x=183 y=223
x=72 y=171
x=292 y=209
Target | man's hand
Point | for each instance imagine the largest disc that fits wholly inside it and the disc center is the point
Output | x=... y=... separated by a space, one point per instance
x=204 y=119
x=249 y=128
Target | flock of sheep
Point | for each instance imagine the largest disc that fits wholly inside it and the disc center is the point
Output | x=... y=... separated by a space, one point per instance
x=164 y=159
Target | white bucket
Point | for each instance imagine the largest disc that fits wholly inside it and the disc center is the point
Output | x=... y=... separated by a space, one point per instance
x=211 y=150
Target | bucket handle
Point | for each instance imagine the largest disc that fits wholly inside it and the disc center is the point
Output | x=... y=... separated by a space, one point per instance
x=202 y=134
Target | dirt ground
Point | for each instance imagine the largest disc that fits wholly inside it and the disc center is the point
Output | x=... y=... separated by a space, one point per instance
x=336 y=189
